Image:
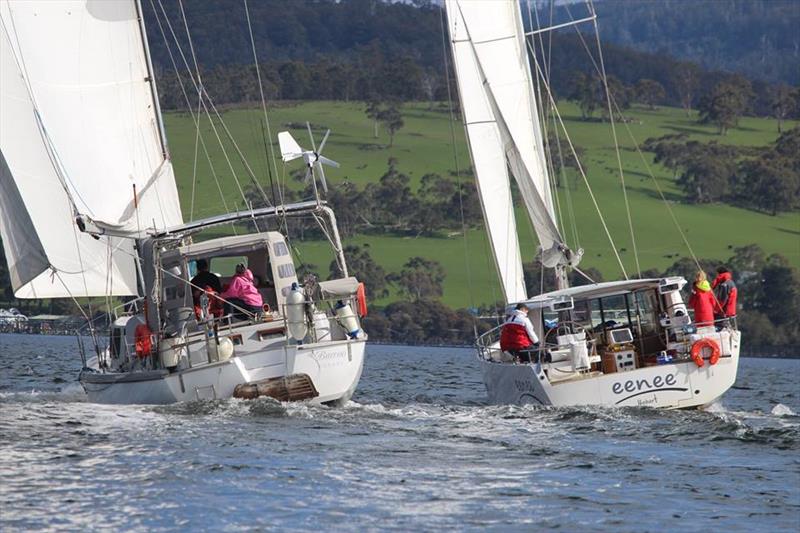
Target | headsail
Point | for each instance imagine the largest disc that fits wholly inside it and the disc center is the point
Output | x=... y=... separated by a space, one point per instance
x=80 y=129
x=492 y=32
x=488 y=158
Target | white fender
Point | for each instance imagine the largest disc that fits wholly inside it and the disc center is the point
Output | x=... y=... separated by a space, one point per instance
x=223 y=352
x=347 y=319
x=296 y=313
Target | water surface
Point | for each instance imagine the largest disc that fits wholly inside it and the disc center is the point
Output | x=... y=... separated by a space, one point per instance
x=417 y=448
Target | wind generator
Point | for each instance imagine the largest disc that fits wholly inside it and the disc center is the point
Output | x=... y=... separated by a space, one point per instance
x=291 y=150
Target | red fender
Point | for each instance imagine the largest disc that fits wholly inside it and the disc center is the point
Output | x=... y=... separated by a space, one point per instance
x=361 y=298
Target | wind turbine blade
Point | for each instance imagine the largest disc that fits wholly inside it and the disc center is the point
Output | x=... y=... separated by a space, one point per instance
x=329 y=162
x=322 y=178
x=289 y=148
x=309 y=175
x=324 y=139
x=311 y=136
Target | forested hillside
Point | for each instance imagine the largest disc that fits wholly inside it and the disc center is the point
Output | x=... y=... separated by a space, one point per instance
x=758 y=38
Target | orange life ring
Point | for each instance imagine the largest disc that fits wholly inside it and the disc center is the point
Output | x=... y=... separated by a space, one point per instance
x=142 y=343
x=361 y=299
x=699 y=347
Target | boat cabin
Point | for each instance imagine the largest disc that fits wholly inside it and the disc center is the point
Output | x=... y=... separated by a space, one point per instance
x=265 y=254
x=613 y=327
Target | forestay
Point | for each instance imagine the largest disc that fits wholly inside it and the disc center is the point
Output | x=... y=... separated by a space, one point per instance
x=80 y=130
x=491 y=33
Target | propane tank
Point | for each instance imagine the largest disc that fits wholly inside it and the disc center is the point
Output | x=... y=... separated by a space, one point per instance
x=296 y=313
x=347 y=319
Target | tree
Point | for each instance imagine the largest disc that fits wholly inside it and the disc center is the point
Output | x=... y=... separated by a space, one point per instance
x=373 y=111
x=296 y=78
x=686 y=81
x=392 y=120
x=584 y=90
x=620 y=96
x=421 y=279
x=769 y=184
x=649 y=92
x=391 y=199
x=361 y=265
x=706 y=178
x=782 y=102
x=727 y=101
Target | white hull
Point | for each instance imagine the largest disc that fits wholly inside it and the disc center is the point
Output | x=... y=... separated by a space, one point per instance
x=670 y=386
x=334 y=368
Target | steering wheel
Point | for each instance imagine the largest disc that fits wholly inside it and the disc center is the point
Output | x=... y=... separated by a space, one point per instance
x=570 y=326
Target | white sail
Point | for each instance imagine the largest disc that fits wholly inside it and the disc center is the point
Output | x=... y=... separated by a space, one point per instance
x=493 y=31
x=488 y=158
x=80 y=129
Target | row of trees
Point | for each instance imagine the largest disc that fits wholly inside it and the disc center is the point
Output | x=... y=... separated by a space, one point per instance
x=764 y=179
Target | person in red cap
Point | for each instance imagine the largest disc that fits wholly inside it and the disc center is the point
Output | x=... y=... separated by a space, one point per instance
x=725 y=292
x=517 y=336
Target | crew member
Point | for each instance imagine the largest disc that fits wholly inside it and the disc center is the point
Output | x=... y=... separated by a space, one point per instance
x=725 y=292
x=517 y=336
x=702 y=300
x=242 y=294
x=204 y=278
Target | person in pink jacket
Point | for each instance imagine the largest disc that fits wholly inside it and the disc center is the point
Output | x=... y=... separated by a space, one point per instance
x=242 y=294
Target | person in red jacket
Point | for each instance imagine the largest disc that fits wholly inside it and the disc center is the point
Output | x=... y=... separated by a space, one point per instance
x=702 y=301
x=517 y=336
x=725 y=292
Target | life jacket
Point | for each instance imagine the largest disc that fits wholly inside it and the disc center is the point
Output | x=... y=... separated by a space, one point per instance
x=513 y=336
x=726 y=293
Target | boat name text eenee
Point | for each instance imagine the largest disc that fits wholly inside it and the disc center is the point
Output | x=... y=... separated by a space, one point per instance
x=642 y=384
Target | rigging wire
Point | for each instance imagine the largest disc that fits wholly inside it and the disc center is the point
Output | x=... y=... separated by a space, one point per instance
x=457 y=170
x=585 y=180
x=189 y=107
x=263 y=100
x=647 y=166
x=614 y=134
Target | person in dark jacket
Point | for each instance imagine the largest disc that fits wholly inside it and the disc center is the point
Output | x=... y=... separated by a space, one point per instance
x=205 y=278
x=726 y=293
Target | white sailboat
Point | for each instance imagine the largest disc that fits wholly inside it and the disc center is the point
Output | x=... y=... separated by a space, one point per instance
x=623 y=343
x=89 y=208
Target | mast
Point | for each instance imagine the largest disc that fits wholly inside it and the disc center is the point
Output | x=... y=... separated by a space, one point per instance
x=151 y=80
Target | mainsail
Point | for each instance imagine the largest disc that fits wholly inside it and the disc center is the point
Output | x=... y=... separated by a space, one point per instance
x=80 y=134
x=503 y=129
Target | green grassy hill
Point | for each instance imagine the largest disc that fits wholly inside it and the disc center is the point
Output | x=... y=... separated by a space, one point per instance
x=424 y=145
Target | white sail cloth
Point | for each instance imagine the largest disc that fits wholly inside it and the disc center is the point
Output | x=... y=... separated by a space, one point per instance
x=79 y=131
x=494 y=81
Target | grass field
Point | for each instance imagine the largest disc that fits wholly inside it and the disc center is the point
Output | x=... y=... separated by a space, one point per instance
x=424 y=145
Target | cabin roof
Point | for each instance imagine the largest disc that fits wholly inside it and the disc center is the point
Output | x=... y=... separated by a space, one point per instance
x=230 y=245
x=606 y=288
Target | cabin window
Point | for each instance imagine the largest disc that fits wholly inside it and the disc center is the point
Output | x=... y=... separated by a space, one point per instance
x=647 y=312
x=614 y=310
x=280 y=248
x=286 y=271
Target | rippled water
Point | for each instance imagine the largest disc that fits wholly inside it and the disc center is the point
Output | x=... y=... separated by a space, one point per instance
x=416 y=448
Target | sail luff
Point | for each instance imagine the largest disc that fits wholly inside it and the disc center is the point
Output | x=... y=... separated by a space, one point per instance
x=489 y=163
